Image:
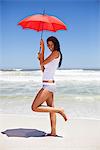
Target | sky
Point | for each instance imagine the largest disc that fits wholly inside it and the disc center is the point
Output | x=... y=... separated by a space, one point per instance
x=80 y=43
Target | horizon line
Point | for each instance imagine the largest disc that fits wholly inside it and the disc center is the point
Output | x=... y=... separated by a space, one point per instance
x=2 y=69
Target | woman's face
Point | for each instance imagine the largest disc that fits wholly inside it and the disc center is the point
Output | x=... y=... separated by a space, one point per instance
x=50 y=45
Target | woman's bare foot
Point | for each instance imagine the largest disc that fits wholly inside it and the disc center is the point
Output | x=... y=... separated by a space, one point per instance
x=63 y=114
x=51 y=134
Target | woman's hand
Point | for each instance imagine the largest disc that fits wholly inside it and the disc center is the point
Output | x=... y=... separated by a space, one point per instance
x=41 y=60
x=39 y=55
x=42 y=44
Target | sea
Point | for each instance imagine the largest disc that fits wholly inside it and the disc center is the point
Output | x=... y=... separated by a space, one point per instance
x=77 y=91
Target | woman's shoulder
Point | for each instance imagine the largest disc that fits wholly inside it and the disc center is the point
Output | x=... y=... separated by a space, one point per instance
x=56 y=53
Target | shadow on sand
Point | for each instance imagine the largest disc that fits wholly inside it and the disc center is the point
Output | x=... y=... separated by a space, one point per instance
x=21 y=132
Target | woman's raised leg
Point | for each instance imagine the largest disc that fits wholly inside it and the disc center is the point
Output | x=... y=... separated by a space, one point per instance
x=41 y=97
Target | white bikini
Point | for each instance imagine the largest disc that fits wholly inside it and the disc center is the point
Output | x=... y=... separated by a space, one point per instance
x=49 y=73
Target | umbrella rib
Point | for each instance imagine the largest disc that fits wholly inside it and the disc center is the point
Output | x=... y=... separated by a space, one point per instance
x=39 y=26
x=41 y=22
x=51 y=24
x=53 y=27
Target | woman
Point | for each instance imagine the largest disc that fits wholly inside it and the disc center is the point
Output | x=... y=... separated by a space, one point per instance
x=46 y=93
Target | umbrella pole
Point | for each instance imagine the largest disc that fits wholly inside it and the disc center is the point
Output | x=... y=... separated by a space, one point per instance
x=41 y=34
x=42 y=24
x=42 y=29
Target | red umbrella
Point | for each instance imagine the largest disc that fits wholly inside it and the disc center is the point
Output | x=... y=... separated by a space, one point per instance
x=40 y=22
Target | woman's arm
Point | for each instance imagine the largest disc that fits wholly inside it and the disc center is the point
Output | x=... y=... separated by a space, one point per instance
x=41 y=55
x=55 y=54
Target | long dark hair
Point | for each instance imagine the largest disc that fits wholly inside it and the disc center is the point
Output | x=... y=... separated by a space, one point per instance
x=56 y=47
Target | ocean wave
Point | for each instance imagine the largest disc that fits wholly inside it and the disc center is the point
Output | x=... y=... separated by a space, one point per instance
x=61 y=75
x=38 y=79
x=20 y=79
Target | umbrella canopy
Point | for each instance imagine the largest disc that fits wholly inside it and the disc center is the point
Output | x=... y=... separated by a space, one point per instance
x=41 y=22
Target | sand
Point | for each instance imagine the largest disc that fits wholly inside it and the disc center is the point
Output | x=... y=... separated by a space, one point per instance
x=25 y=132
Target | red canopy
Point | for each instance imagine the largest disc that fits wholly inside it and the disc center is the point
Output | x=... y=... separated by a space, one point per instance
x=42 y=22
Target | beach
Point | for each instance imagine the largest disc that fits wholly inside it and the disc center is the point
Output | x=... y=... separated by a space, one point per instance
x=77 y=91
x=25 y=132
x=32 y=29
